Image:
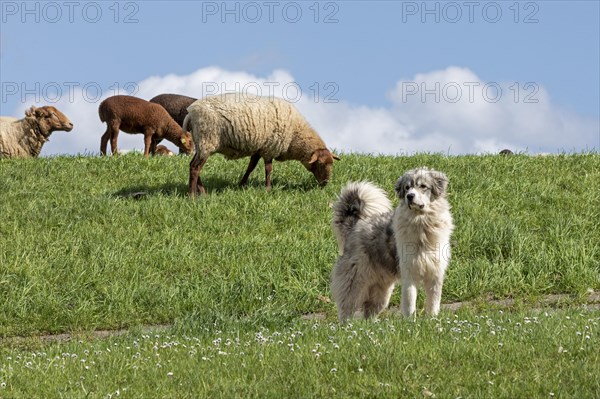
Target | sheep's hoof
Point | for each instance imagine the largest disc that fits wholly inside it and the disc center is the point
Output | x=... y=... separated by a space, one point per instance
x=200 y=191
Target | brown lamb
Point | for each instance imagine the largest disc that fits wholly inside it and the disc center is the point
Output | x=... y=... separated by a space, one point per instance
x=175 y=104
x=135 y=115
x=162 y=150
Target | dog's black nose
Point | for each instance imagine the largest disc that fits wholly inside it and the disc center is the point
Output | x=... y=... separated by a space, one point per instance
x=410 y=197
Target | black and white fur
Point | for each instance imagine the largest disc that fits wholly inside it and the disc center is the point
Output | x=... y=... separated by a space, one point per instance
x=378 y=246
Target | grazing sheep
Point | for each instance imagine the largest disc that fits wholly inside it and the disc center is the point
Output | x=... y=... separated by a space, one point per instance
x=506 y=151
x=238 y=126
x=162 y=150
x=25 y=137
x=175 y=104
x=134 y=115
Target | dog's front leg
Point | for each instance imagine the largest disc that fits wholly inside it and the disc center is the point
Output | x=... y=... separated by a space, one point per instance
x=409 y=298
x=433 y=293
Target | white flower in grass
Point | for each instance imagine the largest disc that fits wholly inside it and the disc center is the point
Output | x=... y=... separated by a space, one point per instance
x=170 y=374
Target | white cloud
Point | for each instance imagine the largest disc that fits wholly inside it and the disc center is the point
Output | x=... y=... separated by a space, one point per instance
x=488 y=116
x=450 y=111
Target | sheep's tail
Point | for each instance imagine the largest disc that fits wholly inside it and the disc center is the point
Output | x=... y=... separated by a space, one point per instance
x=357 y=201
x=185 y=126
x=101 y=112
x=186 y=123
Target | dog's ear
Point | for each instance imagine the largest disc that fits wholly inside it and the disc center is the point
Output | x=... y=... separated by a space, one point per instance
x=440 y=184
x=400 y=186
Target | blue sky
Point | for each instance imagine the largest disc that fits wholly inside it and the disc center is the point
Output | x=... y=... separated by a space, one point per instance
x=393 y=69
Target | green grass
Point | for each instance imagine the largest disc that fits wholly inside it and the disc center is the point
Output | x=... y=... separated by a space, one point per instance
x=78 y=254
x=489 y=355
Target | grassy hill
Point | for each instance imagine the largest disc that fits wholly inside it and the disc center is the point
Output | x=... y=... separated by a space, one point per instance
x=78 y=253
x=233 y=272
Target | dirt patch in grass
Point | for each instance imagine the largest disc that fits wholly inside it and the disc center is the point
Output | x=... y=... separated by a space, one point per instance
x=547 y=302
x=553 y=301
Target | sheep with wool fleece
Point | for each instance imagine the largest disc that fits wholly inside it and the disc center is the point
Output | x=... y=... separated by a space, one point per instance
x=25 y=137
x=240 y=125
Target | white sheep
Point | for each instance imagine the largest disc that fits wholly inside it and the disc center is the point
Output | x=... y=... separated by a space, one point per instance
x=237 y=126
x=25 y=137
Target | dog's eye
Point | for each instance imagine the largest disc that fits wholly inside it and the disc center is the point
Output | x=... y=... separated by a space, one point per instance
x=423 y=186
x=407 y=187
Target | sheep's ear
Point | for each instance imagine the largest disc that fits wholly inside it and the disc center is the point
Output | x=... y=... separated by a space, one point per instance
x=183 y=141
x=314 y=157
x=30 y=111
x=335 y=156
x=42 y=112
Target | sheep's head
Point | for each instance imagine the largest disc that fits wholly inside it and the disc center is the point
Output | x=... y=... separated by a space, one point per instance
x=320 y=165
x=49 y=119
x=162 y=150
x=186 y=143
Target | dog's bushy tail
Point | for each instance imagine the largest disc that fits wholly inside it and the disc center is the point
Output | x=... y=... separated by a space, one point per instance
x=357 y=201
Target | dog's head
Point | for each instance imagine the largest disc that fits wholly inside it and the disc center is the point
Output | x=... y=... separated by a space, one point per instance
x=418 y=188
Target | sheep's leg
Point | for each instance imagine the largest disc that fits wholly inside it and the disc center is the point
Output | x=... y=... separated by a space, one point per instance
x=253 y=162
x=153 y=145
x=113 y=142
x=104 y=141
x=195 y=184
x=268 y=170
x=148 y=142
x=112 y=132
